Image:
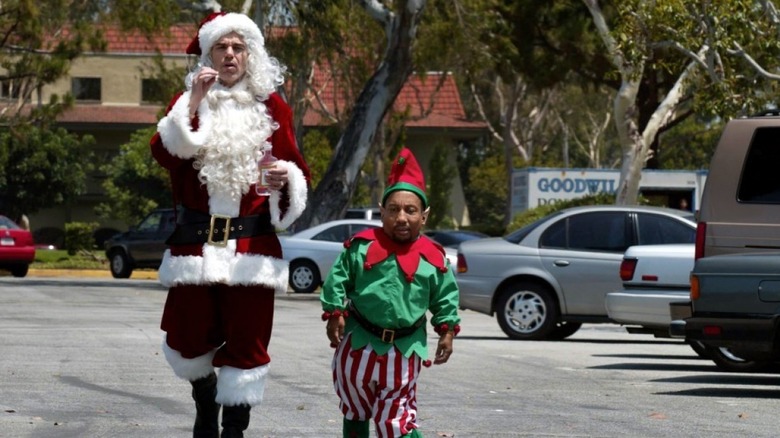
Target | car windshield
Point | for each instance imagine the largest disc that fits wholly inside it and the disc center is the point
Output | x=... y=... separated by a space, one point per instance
x=518 y=235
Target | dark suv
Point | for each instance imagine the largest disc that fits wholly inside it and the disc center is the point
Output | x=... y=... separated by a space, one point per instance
x=142 y=246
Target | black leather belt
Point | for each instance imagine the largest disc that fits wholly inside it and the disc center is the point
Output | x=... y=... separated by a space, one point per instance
x=197 y=227
x=386 y=335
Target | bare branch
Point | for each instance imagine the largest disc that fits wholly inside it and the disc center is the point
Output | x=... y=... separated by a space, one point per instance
x=739 y=51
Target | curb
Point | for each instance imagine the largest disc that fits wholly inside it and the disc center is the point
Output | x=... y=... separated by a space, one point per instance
x=137 y=275
x=89 y=273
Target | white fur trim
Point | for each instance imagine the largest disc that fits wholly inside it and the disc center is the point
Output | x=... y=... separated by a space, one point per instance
x=221 y=203
x=218 y=265
x=236 y=386
x=223 y=25
x=298 y=192
x=188 y=369
x=176 y=131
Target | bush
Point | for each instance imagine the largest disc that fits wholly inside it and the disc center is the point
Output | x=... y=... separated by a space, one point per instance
x=79 y=237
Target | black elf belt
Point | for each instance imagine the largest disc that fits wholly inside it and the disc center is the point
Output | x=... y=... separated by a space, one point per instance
x=386 y=335
x=196 y=227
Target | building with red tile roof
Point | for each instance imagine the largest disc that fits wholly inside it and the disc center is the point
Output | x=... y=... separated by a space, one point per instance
x=115 y=107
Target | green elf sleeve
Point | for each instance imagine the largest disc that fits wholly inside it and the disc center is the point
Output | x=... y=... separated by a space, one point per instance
x=444 y=303
x=339 y=282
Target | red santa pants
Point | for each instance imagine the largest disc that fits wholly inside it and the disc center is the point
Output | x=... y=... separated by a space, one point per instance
x=235 y=319
x=383 y=388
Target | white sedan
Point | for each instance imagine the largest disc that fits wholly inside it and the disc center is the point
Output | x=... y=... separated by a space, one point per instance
x=653 y=276
x=311 y=252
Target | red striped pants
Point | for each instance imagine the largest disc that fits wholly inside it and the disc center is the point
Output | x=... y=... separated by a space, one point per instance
x=383 y=388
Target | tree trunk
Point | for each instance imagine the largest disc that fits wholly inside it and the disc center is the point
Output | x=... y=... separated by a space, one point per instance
x=332 y=195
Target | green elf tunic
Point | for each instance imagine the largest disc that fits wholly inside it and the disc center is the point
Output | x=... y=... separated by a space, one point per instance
x=392 y=285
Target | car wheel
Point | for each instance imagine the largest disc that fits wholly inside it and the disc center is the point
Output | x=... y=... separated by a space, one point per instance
x=304 y=276
x=563 y=330
x=726 y=360
x=20 y=270
x=526 y=311
x=120 y=265
x=700 y=349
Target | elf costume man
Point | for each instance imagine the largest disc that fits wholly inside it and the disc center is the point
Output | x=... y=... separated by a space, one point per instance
x=225 y=262
x=375 y=300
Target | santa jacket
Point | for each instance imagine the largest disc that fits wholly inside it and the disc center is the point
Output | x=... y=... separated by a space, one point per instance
x=253 y=260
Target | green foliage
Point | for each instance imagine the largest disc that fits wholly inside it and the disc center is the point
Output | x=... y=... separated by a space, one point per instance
x=439 y=180
x=60 y=259
x=135 y=184
x=41 y=168
x=318 y=150
x=485 y=188
x=79 y=236
x=689 y=145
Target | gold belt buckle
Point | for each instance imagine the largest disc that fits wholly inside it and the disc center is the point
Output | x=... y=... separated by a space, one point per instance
x=387 y=333
x=225 y=231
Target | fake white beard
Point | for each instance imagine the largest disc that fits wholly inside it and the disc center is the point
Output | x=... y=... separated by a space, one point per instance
x=241 y=127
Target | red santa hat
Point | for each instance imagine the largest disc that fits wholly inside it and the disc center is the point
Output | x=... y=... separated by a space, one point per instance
x=406 y=174
x=218 y=24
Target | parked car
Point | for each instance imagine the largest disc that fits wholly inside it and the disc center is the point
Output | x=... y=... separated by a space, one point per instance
x=653 y=276
x=736 y=308
x=733 y=305
x=740 y=203
x=546 y=279
x=453 y=238
x=311 y=252
x=17 y=249
x=362 y=213
x=142 y=246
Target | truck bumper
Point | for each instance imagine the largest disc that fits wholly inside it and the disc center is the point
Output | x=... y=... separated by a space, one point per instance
x=739 y=334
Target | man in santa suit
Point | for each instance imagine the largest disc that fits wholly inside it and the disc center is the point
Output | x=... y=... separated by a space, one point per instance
x=225 y=264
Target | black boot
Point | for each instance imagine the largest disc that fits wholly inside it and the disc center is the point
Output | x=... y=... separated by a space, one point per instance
x=204 y=391
x=235 y=420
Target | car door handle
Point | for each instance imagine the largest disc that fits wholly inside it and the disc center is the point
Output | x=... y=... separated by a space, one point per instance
x=561 y=263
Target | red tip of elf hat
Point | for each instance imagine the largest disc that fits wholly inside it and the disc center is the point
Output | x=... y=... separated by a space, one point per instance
x=406 y=175
x=194 y=47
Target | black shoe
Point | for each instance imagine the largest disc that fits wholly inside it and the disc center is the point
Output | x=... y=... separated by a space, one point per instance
x=204 y=391
x=235 y=420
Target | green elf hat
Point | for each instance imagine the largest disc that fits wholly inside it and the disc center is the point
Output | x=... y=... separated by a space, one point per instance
x=406 y=175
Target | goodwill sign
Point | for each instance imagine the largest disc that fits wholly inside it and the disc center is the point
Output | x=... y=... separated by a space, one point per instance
x=532 y=187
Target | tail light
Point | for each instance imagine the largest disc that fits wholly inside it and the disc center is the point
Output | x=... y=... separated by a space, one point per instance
x=627 y=268
x=694 y=288
x=701 y=231
x=462 y=266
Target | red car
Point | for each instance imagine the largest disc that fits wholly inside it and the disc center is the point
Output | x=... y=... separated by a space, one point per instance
x=17 y=249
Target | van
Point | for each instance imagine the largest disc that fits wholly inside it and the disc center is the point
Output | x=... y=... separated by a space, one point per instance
x=740 y=205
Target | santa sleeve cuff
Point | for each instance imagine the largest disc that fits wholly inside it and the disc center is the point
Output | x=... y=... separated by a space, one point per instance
x=297 y=191
x=176 y=129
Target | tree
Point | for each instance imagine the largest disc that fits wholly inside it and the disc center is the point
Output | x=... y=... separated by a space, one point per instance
x=39 y=42
x=338 y=184
x=439 y=188
x=41 y=167
x=715 y=40
x=134 y=184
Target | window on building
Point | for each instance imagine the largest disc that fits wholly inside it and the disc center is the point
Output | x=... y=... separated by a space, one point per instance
x=86 y=88
x=152 y=91
x=10 y=89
